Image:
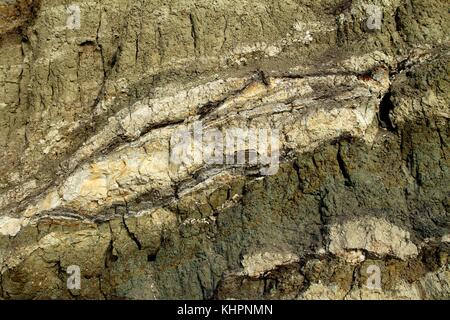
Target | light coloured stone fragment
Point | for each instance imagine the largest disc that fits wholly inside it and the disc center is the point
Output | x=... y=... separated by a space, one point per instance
x=373 y=235
x=10 y=226
x=257 y=264
x=354 y=256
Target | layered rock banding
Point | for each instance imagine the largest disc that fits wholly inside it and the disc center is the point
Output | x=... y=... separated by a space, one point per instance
x=94 y=91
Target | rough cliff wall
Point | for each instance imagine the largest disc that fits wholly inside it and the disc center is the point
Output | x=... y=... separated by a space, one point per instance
x=93 y=92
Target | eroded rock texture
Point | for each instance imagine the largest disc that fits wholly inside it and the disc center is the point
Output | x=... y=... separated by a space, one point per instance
x=92 y=92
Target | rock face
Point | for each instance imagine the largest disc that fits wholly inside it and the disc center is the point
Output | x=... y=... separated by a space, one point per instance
x=372 y=235
x=350 y=201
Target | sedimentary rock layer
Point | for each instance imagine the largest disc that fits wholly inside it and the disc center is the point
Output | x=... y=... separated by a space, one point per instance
x=93 y=92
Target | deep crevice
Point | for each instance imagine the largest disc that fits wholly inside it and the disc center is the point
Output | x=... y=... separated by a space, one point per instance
x=385 y=108
x=398 y=21
x=193 y=30
x=130 y=234
x=343 y=168
x=110 y=256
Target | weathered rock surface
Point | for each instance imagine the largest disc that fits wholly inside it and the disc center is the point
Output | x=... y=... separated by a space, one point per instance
x=92 y=93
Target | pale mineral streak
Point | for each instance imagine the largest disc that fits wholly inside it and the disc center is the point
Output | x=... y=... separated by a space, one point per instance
x=92 y=93
x=257 y=264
